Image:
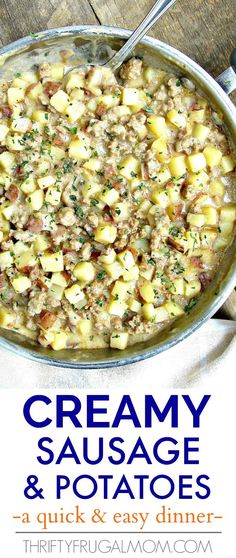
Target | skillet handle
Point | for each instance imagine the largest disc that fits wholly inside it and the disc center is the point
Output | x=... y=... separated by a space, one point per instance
x=227 y=80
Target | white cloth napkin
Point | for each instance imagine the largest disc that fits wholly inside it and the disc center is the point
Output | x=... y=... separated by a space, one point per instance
x=205 y=358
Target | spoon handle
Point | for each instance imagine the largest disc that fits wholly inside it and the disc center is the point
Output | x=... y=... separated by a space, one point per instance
x=159 y=8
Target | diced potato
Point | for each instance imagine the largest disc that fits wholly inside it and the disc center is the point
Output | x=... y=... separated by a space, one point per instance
x=40 y=116
x=59 y=279
x=35 y=91
x=130 y=96
x=201 y=132
x=177 y=286
x=52 y=262
x=14 y=143
x=148 y=311
x=84 y=271
x=197 y=115
x=193 y=239
x=174 y=196
x=79 y=149
x=147 y=292
x=196 y=219
x=117 y=308
x=176 y=118
x=119 y=340
x=211 y=215
x=157 y=125
x=60 y=340
x=7 y=161
x=46 y=181
x=74 y=111
x=14 y=96
x=120 y=212
x=41 y=244
x=147 y=273
x=132 y=274
x=6 y=259
x=208 y=238
x=192 y=288
x=173 y=309
x=8 y=210
x=227 y=163
x=178 y=166
x=3 y=132
x=160 y=197
x=126 y=259
x=199 y=178
x=29 y=185
x=120 y=290
x=105 y=234
x=21 y=283
x=57 y=71
x=114 y=270
x=74 y=294
x=196 y=162
x=90 y=189
x=7 y=317
x=20 y=124
x=228 y=212
x=163 y=176
x=108 y=258
x=161 y=315
x=212 y=155
x=159 y=146
x=108 y=100
x=56 y=291
x=144 y=207
x=78 y=95
x=109 y=196
x=129 y=167
x=217 y=188
x=74 y=80
x=26 y=259
x=53 y=195
x=134 y=305
x=93 y=164
x=57 y=153
x=29 y=76
x=84 y=327
x=60 y=101
x=221 y=243
x=36 y=199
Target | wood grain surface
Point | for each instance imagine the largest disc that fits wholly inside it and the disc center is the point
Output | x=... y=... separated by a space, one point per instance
x=202 y=29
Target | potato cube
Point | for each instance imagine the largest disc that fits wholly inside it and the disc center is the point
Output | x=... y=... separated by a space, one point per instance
x=197 y=115
x=174 y=197
x=109 y=257
x=199 y=178
x=105 y=234
x=8 y=210
x=163 y=176
x=174 y=310
x=217 y=188
x=60 y=340
x=93 y=164
x=3 y=132
x=36 y=199
x=196 y=219
x=211 y=215
x=53 y=195
x=117 y=308
x=196 y=162
x=60 y=101
x=57 y=153
x=57 y=71
x=130 y=96
x=21 y=283
x=134 y=305
x=20 y=124
x=208 y=238
x=147 y=292
x=161 y=314
x=90 y=189
x=26 y=259
x=56 y=291
x=84 y=327
x=120 y=212
x=109 y=100
x=35 y=91
x=212 y=155
x=74 y=294
x=226 y=228
x=201 y=132
x=7 y=161
x=40 y=116
x=52 y=262
x=178 y=166
x=160 y=197
x=193 y=239
x=177 y=286
x=59 y=279
x=148 y=311
x=29 y=185
x=74 y=111
x=7 y=317
x=14 y=96
x=129 y=167
x=120 y=290
x=126 y=259
x=228 y=163
x=119 y=340
x=192 y=288
x=109 y=196
x=79 y=149
x=176 y=118
x=6 y=259
x=114 y=270
x=14 y=143
x=132 y=274
x=46 y=181
x=159 y=146
x=74 y=80
x=84 y=271
x=228 y=212
x=41 y=244
x=157 y=125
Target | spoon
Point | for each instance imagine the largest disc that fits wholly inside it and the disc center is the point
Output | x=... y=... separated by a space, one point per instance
x=159 y=8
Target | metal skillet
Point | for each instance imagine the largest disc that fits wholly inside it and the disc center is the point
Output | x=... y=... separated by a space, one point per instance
x=102 y=39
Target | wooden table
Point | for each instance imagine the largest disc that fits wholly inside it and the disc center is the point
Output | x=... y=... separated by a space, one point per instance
x=202 y=29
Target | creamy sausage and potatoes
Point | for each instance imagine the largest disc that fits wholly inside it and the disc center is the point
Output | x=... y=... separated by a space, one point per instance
x=116 y=203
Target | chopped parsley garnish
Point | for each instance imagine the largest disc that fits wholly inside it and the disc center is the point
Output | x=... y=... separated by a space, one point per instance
x=178 y=82
x=174 y=231
x=133 y=174
x=79 y=211
x=67 y=166
x=101 y=275
x=190 y=305
x=149 y=110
